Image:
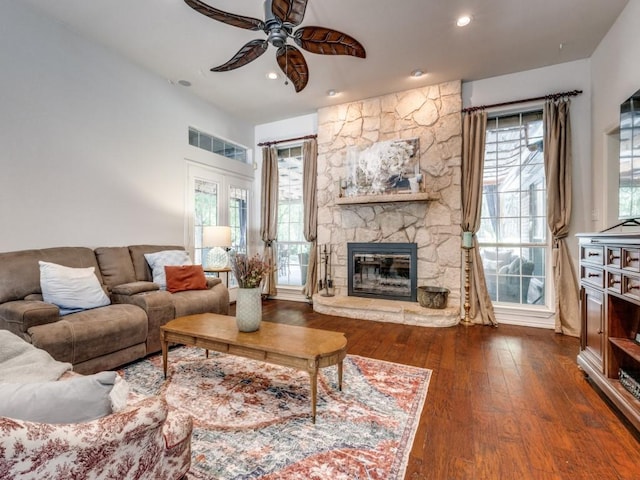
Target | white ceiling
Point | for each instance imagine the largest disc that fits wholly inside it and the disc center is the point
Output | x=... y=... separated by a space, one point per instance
x=506 y=36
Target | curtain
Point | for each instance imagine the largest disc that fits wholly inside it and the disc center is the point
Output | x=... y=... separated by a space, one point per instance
x=310 y=204
x=557 y=167
x=269 y=214
x=474 y=125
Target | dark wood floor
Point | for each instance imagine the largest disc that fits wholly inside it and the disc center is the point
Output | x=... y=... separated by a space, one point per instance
x=503 y=403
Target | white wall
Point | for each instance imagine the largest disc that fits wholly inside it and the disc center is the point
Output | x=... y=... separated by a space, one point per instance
x=289 y=128
x=92 y=148
x=615 y=76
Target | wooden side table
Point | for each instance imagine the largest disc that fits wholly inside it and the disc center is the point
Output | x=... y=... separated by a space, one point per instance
x=218 y=271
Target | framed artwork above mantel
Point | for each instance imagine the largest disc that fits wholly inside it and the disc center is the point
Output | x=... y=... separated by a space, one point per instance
x=383 y=168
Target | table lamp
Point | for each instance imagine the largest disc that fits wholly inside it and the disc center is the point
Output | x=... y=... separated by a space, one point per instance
x=219 y=239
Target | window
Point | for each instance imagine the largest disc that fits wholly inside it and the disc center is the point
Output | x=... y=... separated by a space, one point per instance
x=217 y=145
x=238 y=200
x=205 y=214
x=292 y=249
x=513 y=238
x=238 y=218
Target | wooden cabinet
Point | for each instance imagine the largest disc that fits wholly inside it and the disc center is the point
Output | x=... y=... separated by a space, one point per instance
x=593 y=326
x=610 y=310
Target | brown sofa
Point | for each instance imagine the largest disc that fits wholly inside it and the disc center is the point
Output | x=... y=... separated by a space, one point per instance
x=105 y=337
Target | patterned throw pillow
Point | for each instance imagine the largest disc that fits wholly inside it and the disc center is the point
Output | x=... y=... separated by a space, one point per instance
x=185 y=277
x=157 y=262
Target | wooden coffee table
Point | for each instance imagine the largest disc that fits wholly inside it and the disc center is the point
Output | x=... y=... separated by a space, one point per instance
x=298 y=347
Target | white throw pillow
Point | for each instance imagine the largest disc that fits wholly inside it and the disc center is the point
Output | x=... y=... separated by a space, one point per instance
x=71 y=289
x=157 y=262
x=79 y=399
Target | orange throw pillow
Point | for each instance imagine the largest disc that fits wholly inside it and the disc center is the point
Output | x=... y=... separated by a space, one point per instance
x=185 y=277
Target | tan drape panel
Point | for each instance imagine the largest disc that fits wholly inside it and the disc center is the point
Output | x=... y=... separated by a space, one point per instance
x=557 y=166
x=474 y=125
x=310 y=204
x=269 y=214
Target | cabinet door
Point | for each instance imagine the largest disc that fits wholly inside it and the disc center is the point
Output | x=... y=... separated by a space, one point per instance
x=592 y=325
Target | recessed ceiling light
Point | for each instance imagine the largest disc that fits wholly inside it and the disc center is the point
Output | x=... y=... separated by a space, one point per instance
x=332 y=93
x=272 y=76
x=463 y=21
x=418 y=72
x=184 y=83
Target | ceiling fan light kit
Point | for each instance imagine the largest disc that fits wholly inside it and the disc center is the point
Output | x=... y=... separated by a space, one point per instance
x=281 y=17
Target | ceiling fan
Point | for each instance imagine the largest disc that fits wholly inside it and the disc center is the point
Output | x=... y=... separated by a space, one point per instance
x=281 y=17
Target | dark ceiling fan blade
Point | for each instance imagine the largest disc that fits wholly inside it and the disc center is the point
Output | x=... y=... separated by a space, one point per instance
x=289 y=12
x=246 y=54
x=225 y=17
x=294 y=66
x=328 y=42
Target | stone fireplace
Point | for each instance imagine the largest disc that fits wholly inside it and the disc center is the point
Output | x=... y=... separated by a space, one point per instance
x=430 y=219
x=382 y=270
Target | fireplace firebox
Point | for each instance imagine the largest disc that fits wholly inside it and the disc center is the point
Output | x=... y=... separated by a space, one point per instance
x=383 y=270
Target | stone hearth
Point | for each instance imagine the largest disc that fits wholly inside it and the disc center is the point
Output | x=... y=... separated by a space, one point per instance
x=407 y=313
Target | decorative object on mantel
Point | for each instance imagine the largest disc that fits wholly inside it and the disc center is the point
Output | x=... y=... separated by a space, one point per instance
x=391 y=166
x=249 y=273
x=467 y=245
x=326 y=283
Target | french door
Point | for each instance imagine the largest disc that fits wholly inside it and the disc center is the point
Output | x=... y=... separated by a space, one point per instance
x=215 y=197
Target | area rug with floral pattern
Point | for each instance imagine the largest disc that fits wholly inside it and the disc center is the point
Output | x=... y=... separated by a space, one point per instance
x=252 y=420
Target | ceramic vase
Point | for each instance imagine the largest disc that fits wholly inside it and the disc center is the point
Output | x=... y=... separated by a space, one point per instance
x=248 y=309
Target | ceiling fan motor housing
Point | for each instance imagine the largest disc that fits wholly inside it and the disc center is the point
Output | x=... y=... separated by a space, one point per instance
x=273 y=27
x=277 y=36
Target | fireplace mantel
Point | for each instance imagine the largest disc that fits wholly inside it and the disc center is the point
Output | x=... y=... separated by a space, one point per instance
x=388 y=198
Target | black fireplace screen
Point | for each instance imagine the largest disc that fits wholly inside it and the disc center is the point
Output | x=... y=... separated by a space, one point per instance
x=383 y=270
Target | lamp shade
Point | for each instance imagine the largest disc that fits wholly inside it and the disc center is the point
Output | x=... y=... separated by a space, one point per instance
x=216 y=236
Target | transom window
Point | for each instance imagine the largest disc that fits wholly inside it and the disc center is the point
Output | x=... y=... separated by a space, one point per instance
x=513 y=232
x=217 y=145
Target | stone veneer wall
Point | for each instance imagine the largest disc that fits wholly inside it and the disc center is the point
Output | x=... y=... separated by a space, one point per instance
x=431 y=114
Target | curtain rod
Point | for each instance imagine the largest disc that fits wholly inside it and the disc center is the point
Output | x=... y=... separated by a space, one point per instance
x=275 y=142
x=552 y=96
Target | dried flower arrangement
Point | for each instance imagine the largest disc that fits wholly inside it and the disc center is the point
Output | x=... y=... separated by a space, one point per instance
x=249 y=271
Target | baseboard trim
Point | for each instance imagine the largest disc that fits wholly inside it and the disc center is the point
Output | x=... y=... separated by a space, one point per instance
x=524 y=319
